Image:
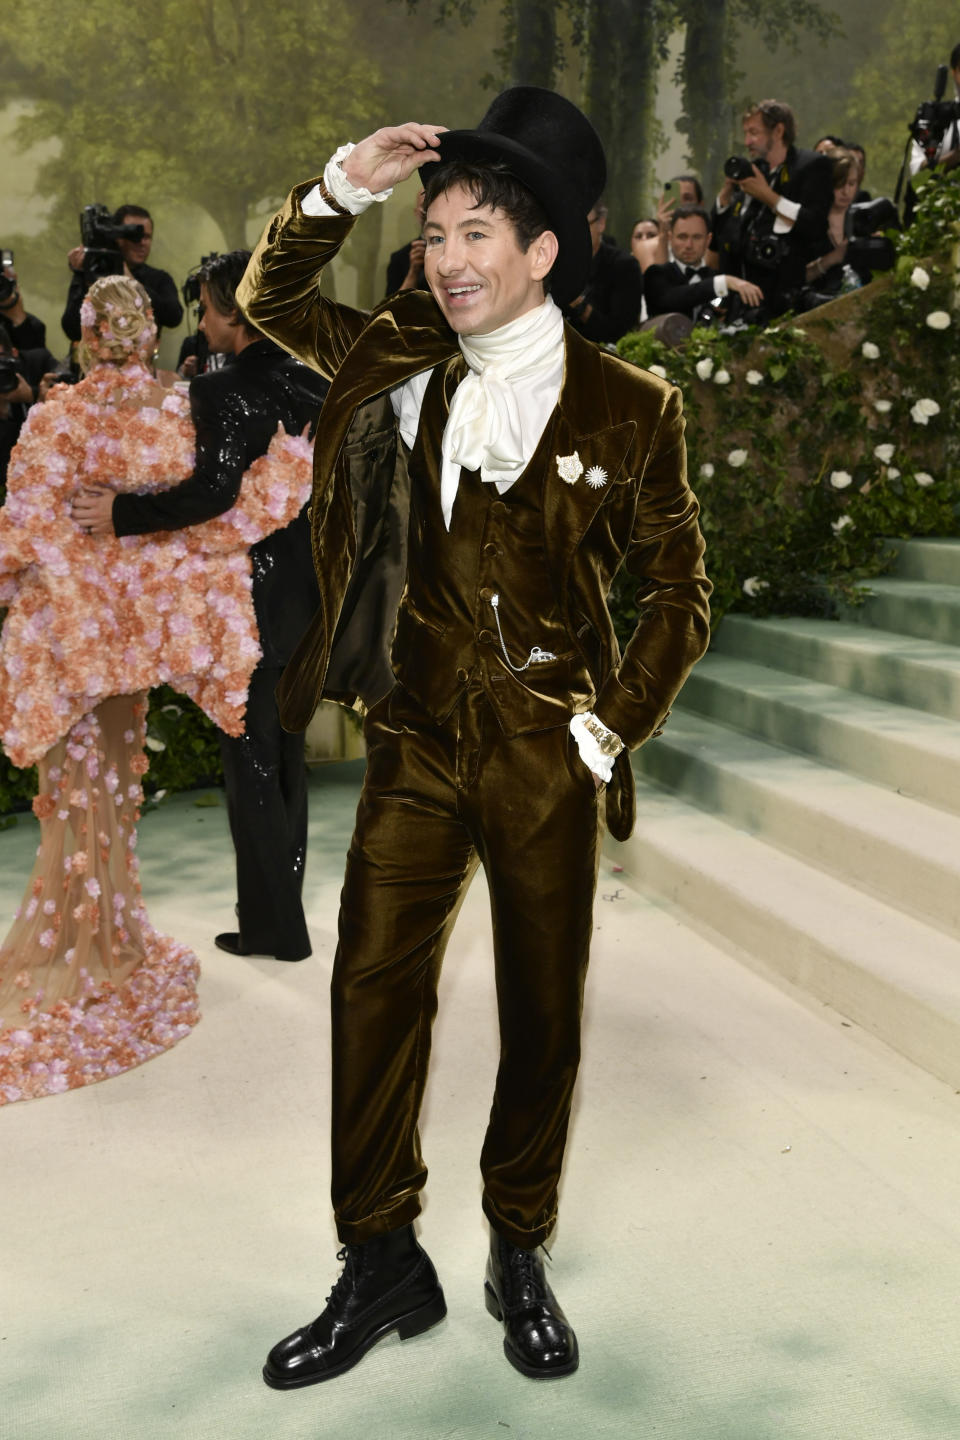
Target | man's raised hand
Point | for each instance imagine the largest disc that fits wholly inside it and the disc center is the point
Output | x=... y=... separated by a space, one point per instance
x=392 y=154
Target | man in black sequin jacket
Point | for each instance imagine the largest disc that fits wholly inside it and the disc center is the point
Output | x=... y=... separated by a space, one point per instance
x=236 y=411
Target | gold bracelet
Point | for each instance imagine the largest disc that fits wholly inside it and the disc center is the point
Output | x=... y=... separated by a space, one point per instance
x=329 y=200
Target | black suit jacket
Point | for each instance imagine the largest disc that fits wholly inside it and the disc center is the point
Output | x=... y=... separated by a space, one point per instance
x=614 y=290
x=668 y=290
x=806 y=178
x=236 y=412
x=167 y=310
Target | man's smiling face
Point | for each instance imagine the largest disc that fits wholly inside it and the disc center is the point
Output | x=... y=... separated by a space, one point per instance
x=479 y=275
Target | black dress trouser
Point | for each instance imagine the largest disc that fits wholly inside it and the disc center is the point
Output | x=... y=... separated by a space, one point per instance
x=265 y=777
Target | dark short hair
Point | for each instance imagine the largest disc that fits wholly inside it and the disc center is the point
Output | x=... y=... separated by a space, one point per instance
x=955 y=57
x=834 y=140
x=221 y=275
x=645 y=220
x=491 y=183
x=772 y=113
x=695 y=182
x=137 y=210
x=687 y=212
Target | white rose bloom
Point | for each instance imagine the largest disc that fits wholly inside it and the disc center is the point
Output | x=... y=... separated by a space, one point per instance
x=840 y=479
x=705 y=368
x=736 y=458
x=754 y=377
x=922 y=478
x=840 y=524
x=893 y=473
x=722 y=377
x=753 y=585
x=657 y=370
x=918 y=416
x=884 y=453
x=706 y=470
x=928 y=407
x=869 y=351
x=919 y=277
x=882 y=406
x=939 y=320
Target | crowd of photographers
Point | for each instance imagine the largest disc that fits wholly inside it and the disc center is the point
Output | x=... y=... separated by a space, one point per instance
x=789 y=229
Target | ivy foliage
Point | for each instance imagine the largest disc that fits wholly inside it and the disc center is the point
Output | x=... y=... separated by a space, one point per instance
x=812 y=442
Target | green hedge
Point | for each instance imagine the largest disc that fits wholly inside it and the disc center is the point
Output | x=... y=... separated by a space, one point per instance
x=784 y=427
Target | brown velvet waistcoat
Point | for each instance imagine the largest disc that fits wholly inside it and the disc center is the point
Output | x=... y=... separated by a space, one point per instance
x=447 y=635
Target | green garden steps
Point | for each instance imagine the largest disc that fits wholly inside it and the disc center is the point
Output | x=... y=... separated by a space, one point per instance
x=922 y=674
x=921 y=608
x=934 y=560
x=897 y=849
x=803 y=805
x=890 y=973
x=906 y=750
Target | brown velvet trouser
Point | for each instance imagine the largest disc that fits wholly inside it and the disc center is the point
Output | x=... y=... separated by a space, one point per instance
x=436 y=799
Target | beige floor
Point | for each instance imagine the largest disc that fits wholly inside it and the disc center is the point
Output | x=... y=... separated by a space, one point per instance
x=760 y=1232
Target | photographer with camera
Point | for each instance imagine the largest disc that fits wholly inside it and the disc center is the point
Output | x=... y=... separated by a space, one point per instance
x=935 y=133
x=118 y=244
x=20 y=375
x=770 y=218
x=684 y=285
x=26 y=331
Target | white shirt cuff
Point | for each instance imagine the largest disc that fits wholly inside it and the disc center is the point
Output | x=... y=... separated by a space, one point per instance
x=787 y=212
x=354 y=198
x=590 y=752
x=720 y=286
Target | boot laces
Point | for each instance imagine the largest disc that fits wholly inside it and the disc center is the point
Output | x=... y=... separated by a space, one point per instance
x=528 y=1274
x=349 y=1257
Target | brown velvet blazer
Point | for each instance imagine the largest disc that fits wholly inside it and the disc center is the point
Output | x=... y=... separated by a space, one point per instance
x=612 y=414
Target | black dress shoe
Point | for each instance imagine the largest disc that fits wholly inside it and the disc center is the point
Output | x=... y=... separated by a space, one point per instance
x=387 y=1283
x=230 y=941
x=536 y=1337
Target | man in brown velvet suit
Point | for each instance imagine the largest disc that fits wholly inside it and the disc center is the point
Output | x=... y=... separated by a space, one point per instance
x=482 y=472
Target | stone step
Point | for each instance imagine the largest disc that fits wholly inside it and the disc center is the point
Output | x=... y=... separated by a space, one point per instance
x=922 y=674
x=921 y=608
x=906 y=750
x=934 y=560
x=899 y=850
x=891 y=974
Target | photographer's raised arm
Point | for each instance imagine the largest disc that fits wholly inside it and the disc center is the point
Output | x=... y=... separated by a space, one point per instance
x=280 y=292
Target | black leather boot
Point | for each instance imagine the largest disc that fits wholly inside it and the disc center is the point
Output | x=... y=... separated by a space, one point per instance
x=388 y=1283
x=536 y=1337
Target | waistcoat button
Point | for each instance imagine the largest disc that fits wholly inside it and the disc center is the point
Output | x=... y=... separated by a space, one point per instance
x=485 y=637
x=486 y=593
x=498 y=508
x=463 y=675
x=491 y=549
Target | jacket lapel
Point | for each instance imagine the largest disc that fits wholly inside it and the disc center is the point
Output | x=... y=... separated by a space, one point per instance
x=403 y=338
x=584 y=428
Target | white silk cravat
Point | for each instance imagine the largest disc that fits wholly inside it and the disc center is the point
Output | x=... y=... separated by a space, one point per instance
x=502 y=405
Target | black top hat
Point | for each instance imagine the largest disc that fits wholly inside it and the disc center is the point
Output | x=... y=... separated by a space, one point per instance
x=551 y=147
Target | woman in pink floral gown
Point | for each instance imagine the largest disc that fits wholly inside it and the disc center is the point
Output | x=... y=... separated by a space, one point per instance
x=88 y=988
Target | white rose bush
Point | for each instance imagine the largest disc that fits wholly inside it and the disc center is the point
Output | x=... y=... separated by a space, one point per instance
x=809 y=445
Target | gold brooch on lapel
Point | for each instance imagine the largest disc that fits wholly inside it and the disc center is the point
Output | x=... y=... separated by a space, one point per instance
x=596 y=476
x=570 y=467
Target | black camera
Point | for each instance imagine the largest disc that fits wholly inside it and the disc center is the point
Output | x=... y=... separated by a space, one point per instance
x=190 y=290
x=738 y=167
x=9 y=374
x=934 y=117
x=767 y=252
x=99 y=233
